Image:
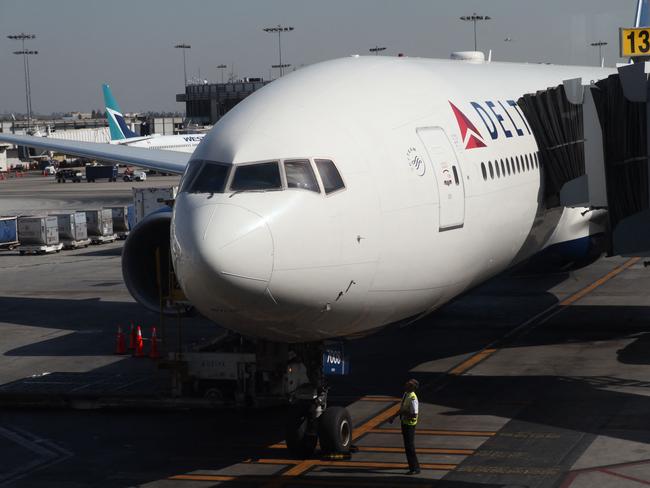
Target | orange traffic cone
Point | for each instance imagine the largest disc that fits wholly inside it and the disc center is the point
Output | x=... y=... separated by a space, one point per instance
x=120 y=347
x=153 y=352
x=132 y=337
x=139 y=345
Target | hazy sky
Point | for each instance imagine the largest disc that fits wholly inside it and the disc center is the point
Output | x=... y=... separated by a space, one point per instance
x=129 y=43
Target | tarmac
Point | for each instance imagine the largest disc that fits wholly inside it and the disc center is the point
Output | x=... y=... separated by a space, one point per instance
x=530 y=380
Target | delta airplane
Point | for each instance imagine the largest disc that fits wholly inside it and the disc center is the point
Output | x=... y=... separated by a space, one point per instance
x=320 y=208
x=121 y=134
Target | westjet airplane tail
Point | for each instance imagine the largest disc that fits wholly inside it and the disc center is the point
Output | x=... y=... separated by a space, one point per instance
x=642 y=19
x=116 y=123
x=122 y=135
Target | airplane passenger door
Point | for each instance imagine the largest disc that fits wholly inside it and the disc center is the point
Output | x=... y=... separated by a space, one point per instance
x=449 y=178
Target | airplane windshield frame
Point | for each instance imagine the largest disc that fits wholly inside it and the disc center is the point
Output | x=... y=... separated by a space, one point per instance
x=262 y=176
x=204 y=176
x=312 y=175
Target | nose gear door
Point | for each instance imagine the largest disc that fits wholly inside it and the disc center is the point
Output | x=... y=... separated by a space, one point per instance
x=448 y=174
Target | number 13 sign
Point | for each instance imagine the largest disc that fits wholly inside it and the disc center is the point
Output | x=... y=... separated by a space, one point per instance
x=635 y=42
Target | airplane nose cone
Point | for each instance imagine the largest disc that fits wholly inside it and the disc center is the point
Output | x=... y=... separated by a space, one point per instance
x=225 y=256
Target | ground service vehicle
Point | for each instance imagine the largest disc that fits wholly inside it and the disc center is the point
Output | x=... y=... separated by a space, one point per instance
x=64 y=175
x=94 y=173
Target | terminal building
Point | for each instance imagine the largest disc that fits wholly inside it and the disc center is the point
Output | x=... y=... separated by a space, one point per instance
x=207 y=103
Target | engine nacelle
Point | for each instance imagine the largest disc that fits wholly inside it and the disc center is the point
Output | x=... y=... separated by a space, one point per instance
x=146 y=264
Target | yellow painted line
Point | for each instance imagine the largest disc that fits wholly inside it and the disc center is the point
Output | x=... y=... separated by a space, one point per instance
x=452 y=433
x=378 y=398
x=420 y=450
x=472 y=361
x=281 y=461
x=585 y=291
x=275 y=480
x=349 y=481
x=381 y=465
x=375 y=421
x=201 y=477
x=300 y=468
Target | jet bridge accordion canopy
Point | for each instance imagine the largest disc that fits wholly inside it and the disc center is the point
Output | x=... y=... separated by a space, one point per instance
x=624 y=128
x=557 y=126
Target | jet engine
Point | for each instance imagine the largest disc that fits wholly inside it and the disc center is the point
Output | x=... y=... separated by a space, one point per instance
x=146 y=264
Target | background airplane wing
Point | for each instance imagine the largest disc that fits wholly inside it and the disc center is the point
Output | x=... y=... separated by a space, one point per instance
x=166 y=161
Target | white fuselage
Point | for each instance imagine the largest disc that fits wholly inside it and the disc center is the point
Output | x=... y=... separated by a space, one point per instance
x=417 y=223
x=181 y=142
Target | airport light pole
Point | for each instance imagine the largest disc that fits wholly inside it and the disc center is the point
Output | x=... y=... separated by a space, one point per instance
x=475 y=18
x=25 y=54
x=281 y=66
x=279 y=29
x=221 y=67
x=599 y=45
x=184 y=47
x=376 y=50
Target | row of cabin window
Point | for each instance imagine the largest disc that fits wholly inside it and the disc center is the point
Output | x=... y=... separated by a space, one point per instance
x=510 y=166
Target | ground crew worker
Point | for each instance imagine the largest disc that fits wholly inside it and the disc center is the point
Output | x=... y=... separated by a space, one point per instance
x=408 y=414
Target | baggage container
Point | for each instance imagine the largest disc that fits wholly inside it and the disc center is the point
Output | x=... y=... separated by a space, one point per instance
x=148 y=200
x=131 y=216
x=100 y=225
x=120 y=220
x=73 y=231
x=8 y=232
x=38 y=230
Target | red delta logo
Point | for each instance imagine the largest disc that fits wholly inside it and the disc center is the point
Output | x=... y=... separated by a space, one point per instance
x=472 y=138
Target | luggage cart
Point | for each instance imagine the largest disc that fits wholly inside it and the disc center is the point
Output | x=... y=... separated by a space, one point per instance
x=8 y=233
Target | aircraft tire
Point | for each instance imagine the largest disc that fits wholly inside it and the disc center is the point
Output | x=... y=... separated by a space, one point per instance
x=335 y=430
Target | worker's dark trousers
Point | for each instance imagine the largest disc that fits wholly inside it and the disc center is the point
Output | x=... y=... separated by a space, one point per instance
x=408 y=433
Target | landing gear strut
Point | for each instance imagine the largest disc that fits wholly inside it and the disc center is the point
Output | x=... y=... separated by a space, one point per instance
x=310 y=419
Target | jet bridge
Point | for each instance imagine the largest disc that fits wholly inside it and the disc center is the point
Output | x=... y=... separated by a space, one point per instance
x=592 y=138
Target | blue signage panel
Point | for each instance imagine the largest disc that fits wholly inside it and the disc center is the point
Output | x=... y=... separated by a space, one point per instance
x=335 y=362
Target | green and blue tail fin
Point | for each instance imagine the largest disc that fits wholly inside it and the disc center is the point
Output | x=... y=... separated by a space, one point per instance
x=116 y=123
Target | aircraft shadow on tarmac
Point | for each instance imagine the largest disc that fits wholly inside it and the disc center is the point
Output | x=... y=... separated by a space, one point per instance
x=564 y=405
x=127 y=448
x=637 y=351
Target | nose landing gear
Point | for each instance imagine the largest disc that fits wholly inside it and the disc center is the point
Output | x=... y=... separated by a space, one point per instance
x=311 y=420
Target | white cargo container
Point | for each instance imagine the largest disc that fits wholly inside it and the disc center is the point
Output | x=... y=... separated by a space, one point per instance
x=38 y=234
x=100 y=225
x=148 y=200
x=120 y=220
x=73 y=230
x=4 y=166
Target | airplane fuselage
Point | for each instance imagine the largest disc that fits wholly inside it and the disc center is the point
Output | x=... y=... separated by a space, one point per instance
x=181 y=142
x=432 y=205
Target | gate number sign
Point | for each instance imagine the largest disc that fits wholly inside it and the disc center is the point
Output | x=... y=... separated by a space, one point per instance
x=635 y=42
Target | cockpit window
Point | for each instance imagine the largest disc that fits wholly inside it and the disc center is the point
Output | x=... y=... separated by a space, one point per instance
x=301 y=175
x=211 y=178
x=191 y=170
x=261 y=176
x=329 y=175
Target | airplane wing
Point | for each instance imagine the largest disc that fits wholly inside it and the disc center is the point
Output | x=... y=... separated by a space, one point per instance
x=166 y=161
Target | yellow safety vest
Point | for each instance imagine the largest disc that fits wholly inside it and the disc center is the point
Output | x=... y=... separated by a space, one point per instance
x=405 y=410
